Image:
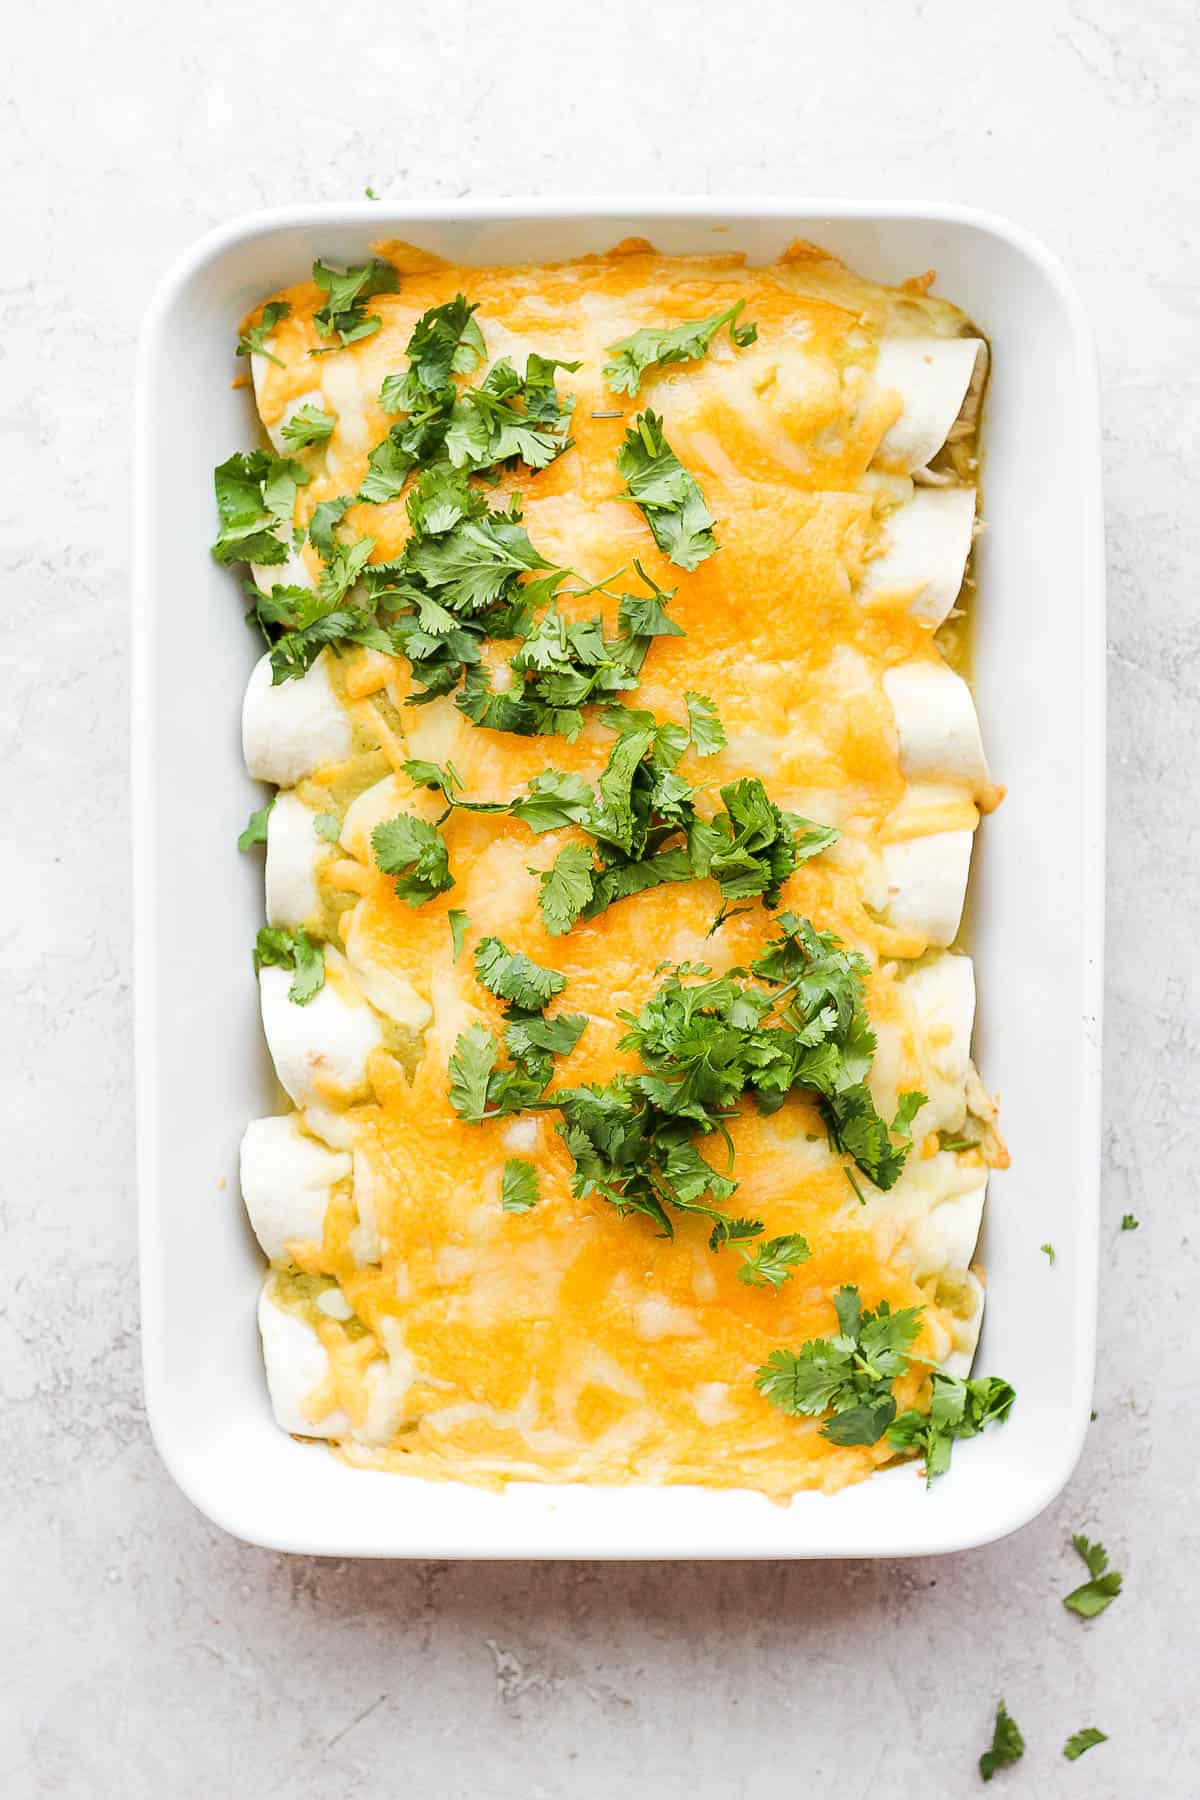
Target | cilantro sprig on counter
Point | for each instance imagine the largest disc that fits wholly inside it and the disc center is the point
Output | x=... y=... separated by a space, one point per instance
x=344 y=314
x=667 y=494
x=1095 y=1595
x=654 y=347
x=1007 y=1745
x=1079 y=1741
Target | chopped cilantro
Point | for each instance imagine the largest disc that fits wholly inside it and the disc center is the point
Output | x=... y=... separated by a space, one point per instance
x=458 y=922
x=707 y=731
x=255 y=831
x=1008 y=1746
x=471 y=1066
x=1129 y=1222
x=958 y=1409
x=253 y=341
x=703 y=1045
x=948 y=1142
x=1047 y=1251
x=415 y=853
x=1079 y=1741
x=514 y=977
x=511 y=417
x=276 y=948
x=667 y=494
x=770 y=1264
x=506 y=418
x=1094 y=1595
x=307 y=425
x=654 y=348
x=256 y=499
x=519 y=1186
x=344 y=314
x=566 y=888
x=849 y=1375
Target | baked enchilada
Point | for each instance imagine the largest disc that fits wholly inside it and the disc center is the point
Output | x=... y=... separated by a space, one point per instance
x=626 y=786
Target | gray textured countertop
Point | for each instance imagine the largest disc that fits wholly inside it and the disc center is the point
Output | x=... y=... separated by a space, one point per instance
x=148 y=1654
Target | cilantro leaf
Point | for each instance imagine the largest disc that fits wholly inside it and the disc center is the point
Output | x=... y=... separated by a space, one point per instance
x=1007 y=1747
x=654 y=348
x=850 y=1375
x=771 y=1263
x=307 y=425
x=667 y=494
x=344 y=314
x=415 y=853
x=1092 y=1597
x=645 y=615
x=327 y=514
x=458 y=922
x=471 y=1067
x=253 y=341
x=553 y=800
x=469 y=567
x=706 y=729
x=566 y=888
x=1079 y=1741
x=514 y=977
x=1128 y=1222
x=1048 y=1252
x=256 y=498
x=519 y=1186
x=295 y=950
x=255 y=831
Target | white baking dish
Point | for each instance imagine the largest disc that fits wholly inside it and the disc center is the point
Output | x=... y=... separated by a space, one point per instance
x=1037 y=909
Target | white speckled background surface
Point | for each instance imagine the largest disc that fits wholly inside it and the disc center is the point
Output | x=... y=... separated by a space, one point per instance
x=149 y=1655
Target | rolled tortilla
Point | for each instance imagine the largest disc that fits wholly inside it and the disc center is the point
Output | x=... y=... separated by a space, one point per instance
x=297 y=1366
x=369 y=809
x=966 y=1331
x=941 y=1001
x=293 y=572
x=927 y=884
x=287 y=1180
x=944 y=1241
x=933 y=376
x=926 y=543
x=259 y=368
x=936 y=724
x=290 y=730
x=389 y=990
x=294 y=853
x=319 y=1047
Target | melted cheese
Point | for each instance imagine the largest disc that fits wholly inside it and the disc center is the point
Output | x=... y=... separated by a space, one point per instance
x=569 y=1343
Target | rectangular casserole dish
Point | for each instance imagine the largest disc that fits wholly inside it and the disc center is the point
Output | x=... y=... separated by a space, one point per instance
x=1036 y=913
